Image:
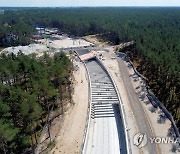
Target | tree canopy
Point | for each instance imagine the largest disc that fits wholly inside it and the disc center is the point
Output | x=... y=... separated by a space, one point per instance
x=28 y=89
x=156 y=52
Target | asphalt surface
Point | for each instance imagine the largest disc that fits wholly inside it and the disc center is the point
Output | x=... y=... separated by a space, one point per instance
x=82 y=51
x=139 y=113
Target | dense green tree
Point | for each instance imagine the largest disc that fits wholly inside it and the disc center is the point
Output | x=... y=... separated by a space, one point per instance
x=156 y=53
x=27 y=93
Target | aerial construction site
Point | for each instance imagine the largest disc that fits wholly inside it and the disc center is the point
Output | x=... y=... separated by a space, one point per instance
x=112 y=106
x=89 y=80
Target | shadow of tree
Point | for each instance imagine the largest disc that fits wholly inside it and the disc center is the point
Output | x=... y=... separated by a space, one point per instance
x=137 y=87
x=175 y=148
x=123 y=57
x=162 y=118
x=171 y=132
x=143 y=88
x=131 y=75
x=135 y=80
x=135 y=76
x=146 y=102
x=152 y=109
x=142 y=97
x=129 y=66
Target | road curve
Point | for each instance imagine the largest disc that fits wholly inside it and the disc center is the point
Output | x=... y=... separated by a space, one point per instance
x=138 y=111
x=106 y=132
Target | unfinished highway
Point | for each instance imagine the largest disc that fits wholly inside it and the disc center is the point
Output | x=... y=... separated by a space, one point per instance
x=106 y=133
x=107 y=125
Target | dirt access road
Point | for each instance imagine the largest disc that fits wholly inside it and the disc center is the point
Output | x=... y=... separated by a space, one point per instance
x=71 y=134
x=140 y=114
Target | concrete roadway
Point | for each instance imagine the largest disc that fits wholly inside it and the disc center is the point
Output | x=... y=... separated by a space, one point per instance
x=106 y=131
x=139 y=113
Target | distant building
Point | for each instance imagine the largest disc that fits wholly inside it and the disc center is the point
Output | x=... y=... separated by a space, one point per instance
x=51 y=31
x=40 y=29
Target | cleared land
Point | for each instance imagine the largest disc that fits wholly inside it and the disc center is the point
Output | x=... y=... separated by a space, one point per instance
x=48 y=45
x=29 y=49
x=70 y=43
x=137 y=106
x=70 y=136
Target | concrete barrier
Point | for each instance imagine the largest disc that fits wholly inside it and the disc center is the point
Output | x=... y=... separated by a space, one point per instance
x=88 y=117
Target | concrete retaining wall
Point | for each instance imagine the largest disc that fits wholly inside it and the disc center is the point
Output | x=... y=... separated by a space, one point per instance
x=88 y=117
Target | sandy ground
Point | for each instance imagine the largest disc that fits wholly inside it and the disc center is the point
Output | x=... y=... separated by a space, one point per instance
x=94 y=39
x=65 y=42
x=161 y=126
x=69 y=43
x=47 y=44
x=160 y=129
x=71 y=135
x=29 y=49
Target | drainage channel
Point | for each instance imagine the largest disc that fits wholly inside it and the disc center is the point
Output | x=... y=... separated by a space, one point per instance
x=106 y=132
